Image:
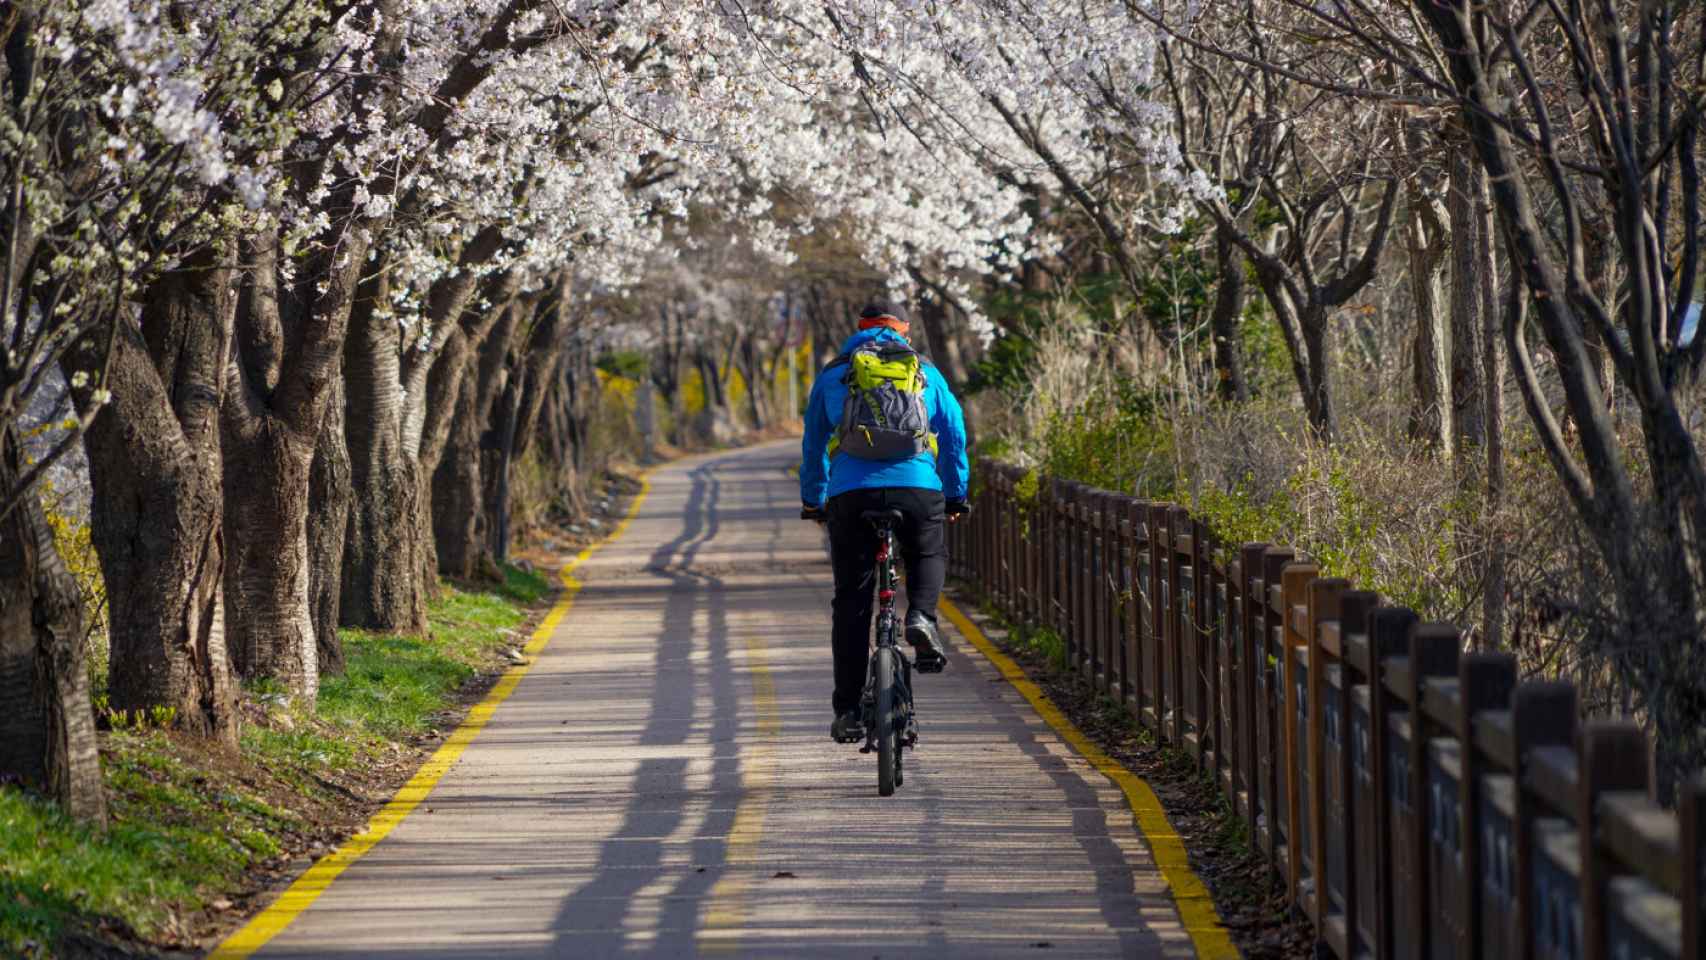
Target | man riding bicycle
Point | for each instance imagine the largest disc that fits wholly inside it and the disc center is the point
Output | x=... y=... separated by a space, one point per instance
x=882 y=432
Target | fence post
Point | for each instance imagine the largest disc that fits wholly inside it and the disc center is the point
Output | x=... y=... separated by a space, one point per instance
x=1060 y=556
x=1048 y=495
x=1434 y=651
x=1485 y=682
x=1015 y=591
x=1356 y=607
x=1126 y=526
x=1211 y=632
x=1100 y=678
x=1033 y=586
x=1270 y=724
x=1542 y=714
x=1691 y=810
x=1250 y=663
x=1135 y=511
x=1389 y=632
x=1177 y=621
x=1113 y=583
x=1294 y=586
x=1322 y=605
x=1159 y=600
x=1080 y=574
x=1613 y=757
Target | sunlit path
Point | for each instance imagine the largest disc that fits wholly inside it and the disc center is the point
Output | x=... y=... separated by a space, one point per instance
x=661 y=784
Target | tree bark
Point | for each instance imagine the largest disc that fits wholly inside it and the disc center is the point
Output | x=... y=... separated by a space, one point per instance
x=458 y=499
x=1470 y=252
x=380 y=583
x=519 y=411
x=757 y=382
x=266 y=523
x=290 y=342
x=1431 y=421
x=1318 y=395
x=156 y=515
x=47 y=721
x=328 y=523
x=1493 y=411
x=1231 y=384
x=456 y=515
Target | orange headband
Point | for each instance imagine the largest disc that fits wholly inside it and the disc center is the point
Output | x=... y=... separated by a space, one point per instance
x=897 y=325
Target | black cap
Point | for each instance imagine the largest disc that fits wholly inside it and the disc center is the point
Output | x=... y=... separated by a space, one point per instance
x=883 y=308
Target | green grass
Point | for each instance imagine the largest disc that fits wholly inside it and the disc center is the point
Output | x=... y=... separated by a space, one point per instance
x=185 y=829
x=176 y=834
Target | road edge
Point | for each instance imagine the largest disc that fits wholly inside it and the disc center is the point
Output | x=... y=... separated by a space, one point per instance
x=307 y=888
x=1197 y=913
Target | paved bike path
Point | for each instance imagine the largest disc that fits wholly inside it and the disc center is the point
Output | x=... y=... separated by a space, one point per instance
x=661 y=784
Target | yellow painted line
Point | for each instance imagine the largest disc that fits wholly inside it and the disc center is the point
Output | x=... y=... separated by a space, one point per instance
x=725 y=913
x=299 y=896
x=1196 y=907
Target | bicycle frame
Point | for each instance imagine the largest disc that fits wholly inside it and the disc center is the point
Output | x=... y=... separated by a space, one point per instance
x=888 y=636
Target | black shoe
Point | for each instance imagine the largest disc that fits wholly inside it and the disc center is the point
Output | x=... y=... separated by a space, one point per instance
x=927 y=653
x=848 y=727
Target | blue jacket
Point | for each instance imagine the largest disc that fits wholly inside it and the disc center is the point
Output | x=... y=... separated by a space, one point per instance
x=822 y=478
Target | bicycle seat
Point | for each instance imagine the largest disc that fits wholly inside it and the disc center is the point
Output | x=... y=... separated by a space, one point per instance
x=883 y=518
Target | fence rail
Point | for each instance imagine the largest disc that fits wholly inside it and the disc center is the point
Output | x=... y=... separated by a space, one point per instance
x=1415 y=799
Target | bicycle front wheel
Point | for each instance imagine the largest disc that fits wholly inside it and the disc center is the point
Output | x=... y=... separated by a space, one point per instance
x=888 y=747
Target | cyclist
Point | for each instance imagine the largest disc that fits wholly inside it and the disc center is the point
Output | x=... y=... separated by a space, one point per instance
x=882 y=432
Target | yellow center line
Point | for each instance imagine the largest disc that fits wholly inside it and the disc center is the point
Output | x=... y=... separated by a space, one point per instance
x=1195 y=905
x=725 y=911
x=300 y=895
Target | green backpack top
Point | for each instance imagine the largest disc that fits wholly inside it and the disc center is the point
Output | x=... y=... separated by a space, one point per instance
x=884 y=416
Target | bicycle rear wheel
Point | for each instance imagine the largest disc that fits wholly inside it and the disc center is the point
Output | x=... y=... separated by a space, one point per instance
x=888 y=746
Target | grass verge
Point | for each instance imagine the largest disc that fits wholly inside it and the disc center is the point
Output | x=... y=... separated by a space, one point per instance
x=196 y=833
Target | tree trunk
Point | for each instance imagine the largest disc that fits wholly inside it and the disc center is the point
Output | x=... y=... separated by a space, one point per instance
x=156 y=515
x=457 y=525
x=381 y=586
x=288 y=360
x=945 y=351
x=1317 y=394
x=1230 y=382
x=458 y=491
x=498 y=455
x=47 y=722
x=1470 y=251
x=521 y=406
x=328 y=523
x=757 y=383
x=1493 y=411
x=266 y=524
x=1431 y=421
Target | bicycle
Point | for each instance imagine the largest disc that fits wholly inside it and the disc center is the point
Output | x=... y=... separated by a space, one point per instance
x=891 y=727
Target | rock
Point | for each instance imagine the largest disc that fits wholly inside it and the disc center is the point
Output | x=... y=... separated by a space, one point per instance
x=525 y=566
x=221 y=904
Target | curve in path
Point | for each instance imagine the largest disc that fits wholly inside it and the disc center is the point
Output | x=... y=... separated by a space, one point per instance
x=661 y=784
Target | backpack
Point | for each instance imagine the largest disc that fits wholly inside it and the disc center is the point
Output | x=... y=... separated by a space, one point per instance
x=884 y=416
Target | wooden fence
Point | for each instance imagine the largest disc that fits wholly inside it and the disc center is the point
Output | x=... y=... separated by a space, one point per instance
x=1415 y=799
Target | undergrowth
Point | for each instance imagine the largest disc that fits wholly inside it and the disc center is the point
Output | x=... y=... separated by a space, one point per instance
x=186 y=824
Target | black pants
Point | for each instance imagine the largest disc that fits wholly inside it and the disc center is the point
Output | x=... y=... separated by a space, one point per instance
x=853 y=545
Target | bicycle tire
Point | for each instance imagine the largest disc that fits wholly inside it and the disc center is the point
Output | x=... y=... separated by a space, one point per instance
x=888 y=746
